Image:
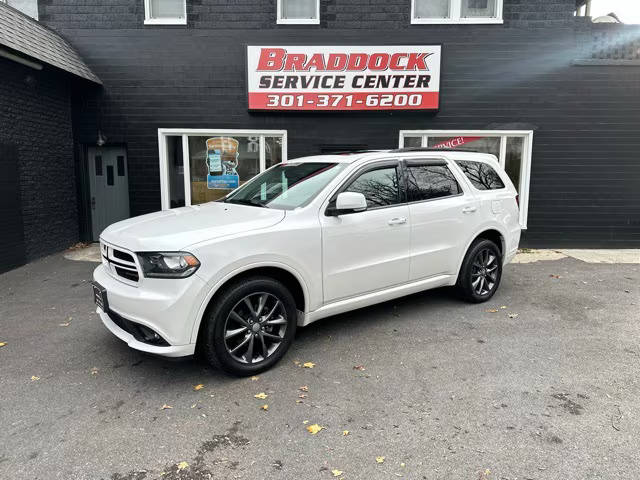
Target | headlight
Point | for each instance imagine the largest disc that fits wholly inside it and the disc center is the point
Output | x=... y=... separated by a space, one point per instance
x=168 y=264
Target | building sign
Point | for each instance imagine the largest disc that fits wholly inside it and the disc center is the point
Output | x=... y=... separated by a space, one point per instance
x=399 y=77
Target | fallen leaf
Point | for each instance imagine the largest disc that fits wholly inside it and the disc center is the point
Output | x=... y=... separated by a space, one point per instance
x=261 y=395
x=513 y=315
x=358 y=367
x=94 y=371
x=379 y=459
x=304 y=388
x=555 y=276
x=265 y=407
x=2 y=344
x=299 y=401
x=34 y=378
x=302 y=395
x=337 y=473
x=200 y=386
x=182 y=465
x=254 y=378
x=315 y=428
x=64 y=324
x=503 y=307
x=165 y=407
x=194 y=405
x=491 y=310
x=296 y=362
x=403 y=465
x=308 y=365
x=305 y=421
x=345 y=432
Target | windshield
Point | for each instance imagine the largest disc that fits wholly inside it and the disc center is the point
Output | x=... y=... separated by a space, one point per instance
x=287 y=185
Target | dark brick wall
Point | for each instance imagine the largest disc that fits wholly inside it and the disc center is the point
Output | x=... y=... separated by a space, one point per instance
x=35 y=116
x=584 y=173
x=261 y=14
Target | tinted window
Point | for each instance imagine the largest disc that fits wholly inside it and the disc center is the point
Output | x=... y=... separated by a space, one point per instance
x=98 y=160
x=482 y=176
x=379 y=187
x=109 y=174
x=430 y=181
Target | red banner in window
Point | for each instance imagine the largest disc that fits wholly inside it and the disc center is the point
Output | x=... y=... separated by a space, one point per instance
x=456 y=142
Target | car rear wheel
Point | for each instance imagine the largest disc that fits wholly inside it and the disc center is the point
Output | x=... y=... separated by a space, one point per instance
x=250 y=327
x=481 y=271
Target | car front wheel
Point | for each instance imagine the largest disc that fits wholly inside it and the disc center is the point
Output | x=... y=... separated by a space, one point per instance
x=481 y=271
x=250 y=326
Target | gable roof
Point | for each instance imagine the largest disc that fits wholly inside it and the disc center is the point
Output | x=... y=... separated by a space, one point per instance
x=26 y=35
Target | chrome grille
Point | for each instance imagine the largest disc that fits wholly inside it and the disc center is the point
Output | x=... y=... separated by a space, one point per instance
x=120 y=263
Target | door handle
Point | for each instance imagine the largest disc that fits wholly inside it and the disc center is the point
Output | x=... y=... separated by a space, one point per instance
x=93 y=203
x=469 y=209
x=397 y=221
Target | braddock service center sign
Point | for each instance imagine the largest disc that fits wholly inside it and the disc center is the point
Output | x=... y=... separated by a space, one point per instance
x=398 y=77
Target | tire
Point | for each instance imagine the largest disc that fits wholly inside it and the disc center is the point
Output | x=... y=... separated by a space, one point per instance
x=231 y=317
x=480 y=272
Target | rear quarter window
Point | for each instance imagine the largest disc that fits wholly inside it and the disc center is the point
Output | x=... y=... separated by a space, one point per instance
x=481 y=175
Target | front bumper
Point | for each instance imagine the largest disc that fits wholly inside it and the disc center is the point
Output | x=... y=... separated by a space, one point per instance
x=170 y=351
x=166 y=306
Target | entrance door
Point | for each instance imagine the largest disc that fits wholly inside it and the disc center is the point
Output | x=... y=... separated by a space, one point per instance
x=109 y=187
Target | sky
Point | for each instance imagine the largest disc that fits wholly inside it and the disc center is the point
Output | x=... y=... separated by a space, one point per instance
x=627 y=10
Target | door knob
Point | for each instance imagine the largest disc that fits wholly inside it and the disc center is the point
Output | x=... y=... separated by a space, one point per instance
x=397 y=221
x=469 y=209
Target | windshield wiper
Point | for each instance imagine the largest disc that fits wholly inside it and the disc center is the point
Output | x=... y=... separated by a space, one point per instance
x=244 y=201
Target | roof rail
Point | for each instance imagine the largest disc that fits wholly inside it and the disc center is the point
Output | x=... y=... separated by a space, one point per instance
x=430 y=149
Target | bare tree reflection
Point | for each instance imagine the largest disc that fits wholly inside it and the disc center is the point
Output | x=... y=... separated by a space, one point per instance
x=379 y=187
x=481 y=175
x=432 y=181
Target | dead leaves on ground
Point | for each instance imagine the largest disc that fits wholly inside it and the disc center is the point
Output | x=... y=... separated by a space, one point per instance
x=264 y=407
x=200 y=386
x=379 y=459
x=165 y=407
x=315 y=428
x=182 y=465
x=261 y=395
x=34 y=378
x=2 y=344
x=336 y=472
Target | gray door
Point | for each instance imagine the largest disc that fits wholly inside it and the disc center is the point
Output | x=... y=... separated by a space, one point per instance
x=109 y=187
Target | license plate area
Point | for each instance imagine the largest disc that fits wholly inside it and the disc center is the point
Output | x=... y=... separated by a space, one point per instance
x=100 y=296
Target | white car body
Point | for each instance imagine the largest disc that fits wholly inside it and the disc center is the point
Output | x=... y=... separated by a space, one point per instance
x=340 y=262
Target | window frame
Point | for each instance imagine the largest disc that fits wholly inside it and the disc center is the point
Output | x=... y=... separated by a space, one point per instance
x=297 y=21
x=149 y=20
x=455 y=9
x=429 y=162
x=185 y=133
x=525 y=167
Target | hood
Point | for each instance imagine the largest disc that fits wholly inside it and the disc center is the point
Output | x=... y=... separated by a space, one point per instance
x=173 y=230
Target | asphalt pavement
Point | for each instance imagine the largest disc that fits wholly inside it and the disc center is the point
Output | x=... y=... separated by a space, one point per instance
x=542 y=382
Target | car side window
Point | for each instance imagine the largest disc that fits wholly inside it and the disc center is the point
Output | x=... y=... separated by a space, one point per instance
x=425 y=182
x=481 y=175
x=380 y=186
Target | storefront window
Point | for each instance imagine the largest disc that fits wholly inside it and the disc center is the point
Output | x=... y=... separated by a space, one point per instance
x=478 y=8
x=432 y=8
x=512 y=149
x=202 y=166
x=456 y=11
x=298 y=11
x=165 y=12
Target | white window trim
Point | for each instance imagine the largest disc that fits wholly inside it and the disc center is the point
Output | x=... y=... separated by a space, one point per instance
x=525 y=168
x=163 y=133
x=455 y=7
x=298 y=21
x=148 y=20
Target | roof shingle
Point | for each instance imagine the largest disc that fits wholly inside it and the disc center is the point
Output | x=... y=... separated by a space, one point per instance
x=24 y=34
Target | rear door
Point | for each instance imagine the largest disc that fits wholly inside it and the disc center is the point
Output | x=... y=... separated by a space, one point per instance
x=443 y=216
x=367 y=251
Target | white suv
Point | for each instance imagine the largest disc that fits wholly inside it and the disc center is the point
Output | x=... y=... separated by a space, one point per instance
x=304 y=240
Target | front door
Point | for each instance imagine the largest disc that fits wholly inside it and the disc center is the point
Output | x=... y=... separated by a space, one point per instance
x=367 y=251
x=109 y=187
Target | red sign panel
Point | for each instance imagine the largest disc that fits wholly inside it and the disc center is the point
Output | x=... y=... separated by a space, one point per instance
x=403 y=77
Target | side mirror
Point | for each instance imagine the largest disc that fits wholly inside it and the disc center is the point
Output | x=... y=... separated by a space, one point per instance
x=350 y=202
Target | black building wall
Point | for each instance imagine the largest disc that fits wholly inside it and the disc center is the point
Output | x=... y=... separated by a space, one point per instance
x=35 y=119
x=520 y=75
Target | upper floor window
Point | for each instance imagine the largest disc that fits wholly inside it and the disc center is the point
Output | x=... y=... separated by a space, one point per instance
x=299 y=11
x=165 y=12
x=456 y=11
x=28 y=7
